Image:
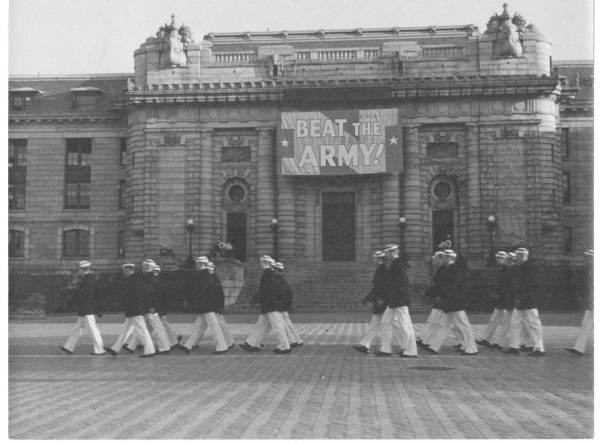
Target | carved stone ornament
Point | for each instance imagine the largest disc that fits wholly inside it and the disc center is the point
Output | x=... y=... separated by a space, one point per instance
x=507 y=32
x=172 y=139
x=173 y=43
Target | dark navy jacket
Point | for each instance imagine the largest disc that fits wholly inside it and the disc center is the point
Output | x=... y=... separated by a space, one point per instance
x=396 y=284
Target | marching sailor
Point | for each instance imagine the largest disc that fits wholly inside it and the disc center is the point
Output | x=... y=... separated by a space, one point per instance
x=377 y=297
x=433 y=293
x=525 y=318
x=87 y=303
x=135 y=305
x=452 y=284
x=288 y=302
x=396 y=314
x=206 y=305
x=162 y=307
x=270 y=318
x=588 y=318
x=220 y=298
x=501 y=294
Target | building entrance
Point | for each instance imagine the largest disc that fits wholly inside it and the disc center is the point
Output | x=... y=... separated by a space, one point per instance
x=236 y=234
x=339 y=226
x=443 y=227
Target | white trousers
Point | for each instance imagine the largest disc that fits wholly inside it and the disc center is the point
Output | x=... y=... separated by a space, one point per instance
x=203 y=321
x=435 y=321
x=139 y=326
x=159 y=331
x=290 y=330
x=265 y=323
x=432 y=319
x=373 y=330
x=502 y=335
x=226 y=330
x=493 y=325
x=523 y=322
x=587 y=324
x=87 y=322
x=464 y=331
x=171 y=333
x=407 y=339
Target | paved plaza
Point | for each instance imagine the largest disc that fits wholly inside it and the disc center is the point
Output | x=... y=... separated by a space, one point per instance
x=324 y=389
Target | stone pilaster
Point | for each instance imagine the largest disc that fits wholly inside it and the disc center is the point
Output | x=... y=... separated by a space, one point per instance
x=205 y=225
x=149 y=201
x=390 y=208
x=286 y=216
x=475 y=232
x=413 y=238
x=265 y=192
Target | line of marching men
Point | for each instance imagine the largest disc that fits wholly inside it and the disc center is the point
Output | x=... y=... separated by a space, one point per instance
x=145 y=304
x=515 y=323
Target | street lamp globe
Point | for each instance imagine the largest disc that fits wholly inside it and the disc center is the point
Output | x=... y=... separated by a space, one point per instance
x=402 y=220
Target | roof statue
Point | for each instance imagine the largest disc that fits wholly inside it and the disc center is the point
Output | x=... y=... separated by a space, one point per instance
x=507 y=32
x=173 y=43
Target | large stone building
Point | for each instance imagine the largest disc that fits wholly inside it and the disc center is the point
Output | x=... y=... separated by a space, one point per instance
x=326 y=143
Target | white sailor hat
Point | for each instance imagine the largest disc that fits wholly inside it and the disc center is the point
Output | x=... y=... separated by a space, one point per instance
x=589 y=252
x=128 y=265
x=210 y=264
x=521 y=251
x=438 y=254
x=449 y=253
x=390 y=247
x=155 y=267
x=85 y=264
x=277 y=265
x=267 y=258
x=202 y=260
x=501 y=254
x=149 y=262
x=379 y=254
x=512 y=255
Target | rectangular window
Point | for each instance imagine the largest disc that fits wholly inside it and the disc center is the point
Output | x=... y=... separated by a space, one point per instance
x=85 y=101
x=566 y=187
x=78 y=173
x=16 y=243
x=17 y=173
x=123 y=152
x=121 y=244
x=18 y=102
x=564 y=142
x=235 y=154
x=122 y=194
x=76 y=243
x=568 y=240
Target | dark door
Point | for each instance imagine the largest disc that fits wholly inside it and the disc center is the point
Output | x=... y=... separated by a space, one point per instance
x=236 y=234
x=443 y=226
x=339 y=226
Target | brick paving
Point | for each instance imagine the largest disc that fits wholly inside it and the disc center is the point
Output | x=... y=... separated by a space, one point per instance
x=323 y=390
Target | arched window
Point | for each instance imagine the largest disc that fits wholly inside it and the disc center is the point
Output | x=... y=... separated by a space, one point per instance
x=16 y=243
x=76 y=243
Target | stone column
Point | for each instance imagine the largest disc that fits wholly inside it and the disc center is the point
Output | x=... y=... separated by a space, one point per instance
x=413 y=237
x=286 y=216
x=390 y=208
x=205 y=224
x=265 y=193
x=475 y=233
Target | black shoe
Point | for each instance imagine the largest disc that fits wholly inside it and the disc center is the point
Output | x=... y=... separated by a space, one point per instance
x=111 y=351
x=278 y=351
x=464 y=353
x=140 y=347
x=381 y=354
x=149 y=355
x=457 y=346
x=98 y=354
x=575 y=352
x=164 y=352
x=428 y=348
x=248 y=347
x=496 y=347
x=421 y=345
x=419 y=341
x=66 y=350
x=526 y=349
x=511 y=351
x=402 y=355
x=483 y=342
x=231 y=347
x=296 y=344
x=128 y=349
x=195 y=347
x=222 y=352
x=361 y=348
x=179 y=338
x=536 y=353
x=175 y=347
x=183 y=348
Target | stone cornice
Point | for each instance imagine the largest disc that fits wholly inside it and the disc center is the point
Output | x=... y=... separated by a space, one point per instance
x=67 y=118
x=394 y=88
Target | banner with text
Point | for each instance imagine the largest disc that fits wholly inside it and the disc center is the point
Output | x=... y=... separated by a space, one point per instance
x=365 y=141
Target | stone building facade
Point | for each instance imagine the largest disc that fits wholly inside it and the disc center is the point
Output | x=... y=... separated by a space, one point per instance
x=111 y=167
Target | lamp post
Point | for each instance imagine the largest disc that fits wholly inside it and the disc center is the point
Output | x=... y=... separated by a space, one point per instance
x=402 y=225
x=491 y=223
x=275 y=230
x=190 y=227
